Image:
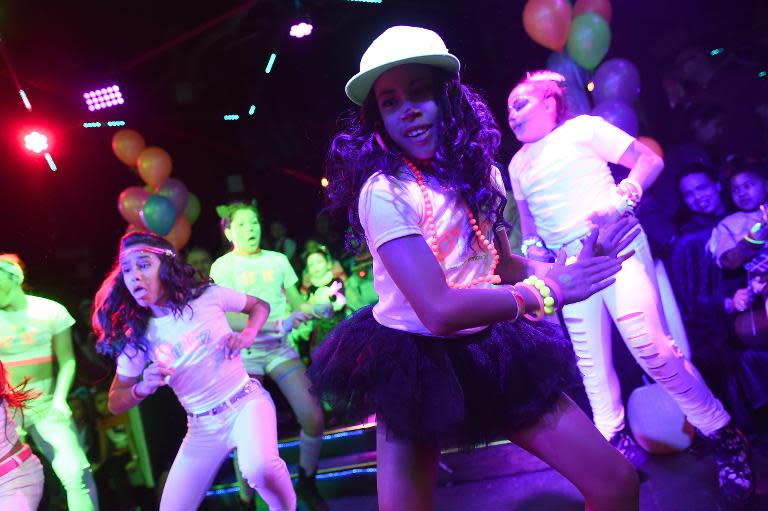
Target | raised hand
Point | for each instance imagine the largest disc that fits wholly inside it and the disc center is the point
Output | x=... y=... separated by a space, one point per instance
x=155 y=376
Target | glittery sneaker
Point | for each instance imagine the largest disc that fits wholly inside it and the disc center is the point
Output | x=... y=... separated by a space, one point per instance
x=626 y=445
x=735 y=476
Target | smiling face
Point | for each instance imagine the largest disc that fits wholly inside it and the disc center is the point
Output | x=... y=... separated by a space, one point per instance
x=244 y=232
x=141 y=275
x=531 y=114
x=405 y=96
x=701 y=194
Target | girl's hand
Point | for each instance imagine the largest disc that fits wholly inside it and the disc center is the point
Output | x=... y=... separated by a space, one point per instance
x=233 y=342
x=616 y=236
x=154 y=377
x=742 y=300
x=295 y=319
x=588 y=275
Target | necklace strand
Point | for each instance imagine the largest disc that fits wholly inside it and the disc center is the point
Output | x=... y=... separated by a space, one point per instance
x=434 y=245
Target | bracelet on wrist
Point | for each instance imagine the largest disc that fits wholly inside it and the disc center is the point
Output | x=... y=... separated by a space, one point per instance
x=531 y=241
x=544 y=293
x=519 y=300
x=753 y=241
x=134 y=394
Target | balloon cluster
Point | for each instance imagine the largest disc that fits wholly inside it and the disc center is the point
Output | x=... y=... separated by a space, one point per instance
x=164 y=206
x=580 y=37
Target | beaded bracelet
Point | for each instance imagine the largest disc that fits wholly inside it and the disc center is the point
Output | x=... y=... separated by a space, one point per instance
x=135 y=395
x=556 y=291
x=531 y=241
x=547 y=301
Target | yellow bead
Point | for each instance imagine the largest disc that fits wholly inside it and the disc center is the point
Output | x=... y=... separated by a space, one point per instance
x=539 y=284
x=549 y=311
x=545 y=291
x=549 y=301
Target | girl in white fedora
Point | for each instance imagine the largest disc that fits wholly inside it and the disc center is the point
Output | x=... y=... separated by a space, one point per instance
x=453 y=353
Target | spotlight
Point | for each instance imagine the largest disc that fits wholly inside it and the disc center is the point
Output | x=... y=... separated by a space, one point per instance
x=301 y=29
x=103 y=98
x=36 y=142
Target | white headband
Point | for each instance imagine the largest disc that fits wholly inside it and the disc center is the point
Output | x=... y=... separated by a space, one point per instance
x=146 y=248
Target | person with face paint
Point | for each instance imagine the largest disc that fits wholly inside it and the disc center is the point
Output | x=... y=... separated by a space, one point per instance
x=267 y=274
x=35 y=333
x=564 y=188
x=21 y=474
x=167 y=328
x=446 y=357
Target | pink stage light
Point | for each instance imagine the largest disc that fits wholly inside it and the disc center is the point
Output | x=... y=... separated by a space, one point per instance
x=99 y=99
x=36 y=142
x=301 y=29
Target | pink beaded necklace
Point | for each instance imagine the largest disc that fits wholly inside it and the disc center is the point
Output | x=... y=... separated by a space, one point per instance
x=433 y=240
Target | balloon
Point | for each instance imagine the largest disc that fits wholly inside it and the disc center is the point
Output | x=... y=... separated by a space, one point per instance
x=616 y=79
x=127 y=144
x=131 y=202
x=158 y=215
x=589 y=40
x=179 y=235
x=652 y=145
x=601 y=7
x=193 y=208
x=154 y=166
x=576 y=99
x=547 y=22
x=619 y=114
x=175 y=191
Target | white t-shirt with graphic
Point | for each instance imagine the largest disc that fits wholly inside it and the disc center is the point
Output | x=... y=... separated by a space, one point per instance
x=564 y=176
x=730 y=231
x=392 y=207
x=264 y=275
x=203 y=377
x=26 y=336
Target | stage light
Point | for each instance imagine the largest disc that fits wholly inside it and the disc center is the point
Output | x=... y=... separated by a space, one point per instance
x=231 y=117
x=324 y=182
x=98 y=99
x=252 y=110
x=51 y=164
x=762 y=74
x=301 y=29
x=365 y=1
x=271 y=63
x=115 y=123
x=36 y=142
x=91 y=125
x=590 y=86
x=717 y=51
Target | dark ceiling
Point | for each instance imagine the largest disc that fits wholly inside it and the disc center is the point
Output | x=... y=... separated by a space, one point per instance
x=183 y=65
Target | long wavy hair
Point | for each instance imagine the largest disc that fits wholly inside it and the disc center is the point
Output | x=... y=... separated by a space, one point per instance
x=117 y=319
x=468 y=138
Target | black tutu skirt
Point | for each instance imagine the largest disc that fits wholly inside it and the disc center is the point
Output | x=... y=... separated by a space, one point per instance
x=450 y=391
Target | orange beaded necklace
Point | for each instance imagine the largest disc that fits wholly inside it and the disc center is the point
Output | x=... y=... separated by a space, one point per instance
x=433 y=241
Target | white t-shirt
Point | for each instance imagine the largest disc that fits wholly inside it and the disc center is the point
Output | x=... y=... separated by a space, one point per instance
x=730 y=231
x=264 y=275
x=203 y=377
x=392 y=207
x=564 y=176
x=26 y=336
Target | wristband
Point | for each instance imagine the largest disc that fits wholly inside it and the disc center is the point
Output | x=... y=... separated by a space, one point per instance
x=543 y=291
x=753 y=241
x=531 y=241
x=135 y=395
x=637 y=195
x=539 y=312
x=518 y=300
x=556 y=291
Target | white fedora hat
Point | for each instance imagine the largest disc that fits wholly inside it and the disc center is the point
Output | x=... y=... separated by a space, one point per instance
x=399 y=45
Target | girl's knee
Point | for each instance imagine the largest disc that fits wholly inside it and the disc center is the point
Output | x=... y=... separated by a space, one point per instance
x=264 y=474
x=624 y=485
x=312 y=422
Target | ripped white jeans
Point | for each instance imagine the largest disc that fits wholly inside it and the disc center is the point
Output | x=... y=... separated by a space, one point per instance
x=633 y=303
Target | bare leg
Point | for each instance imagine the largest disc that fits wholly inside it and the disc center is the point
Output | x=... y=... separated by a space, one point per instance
x=568 y=441
x=407 y=473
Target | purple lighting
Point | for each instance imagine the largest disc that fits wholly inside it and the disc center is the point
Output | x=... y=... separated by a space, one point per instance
x=99 y=99
x=300 y=30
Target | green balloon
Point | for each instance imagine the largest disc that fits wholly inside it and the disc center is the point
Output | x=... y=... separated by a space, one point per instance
x=158 y=215
x=192 y=211
x=588 y=40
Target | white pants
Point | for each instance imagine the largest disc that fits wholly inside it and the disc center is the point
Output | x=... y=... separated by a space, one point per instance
x=250 y=426
x=633 y=303
x=22 y=487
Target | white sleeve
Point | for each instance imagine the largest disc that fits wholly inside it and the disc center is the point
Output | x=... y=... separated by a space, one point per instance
x=229 y=299
x=608 y=141
x=515 y=167
x=131 y=361
x=220 y=272
x=387 y=211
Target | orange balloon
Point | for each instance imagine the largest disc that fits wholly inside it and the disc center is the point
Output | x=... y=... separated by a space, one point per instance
x=601 y=7
x=127 y=144
x=547 y=22
x=652 y=145
x=154 y=166
x=180 y=233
